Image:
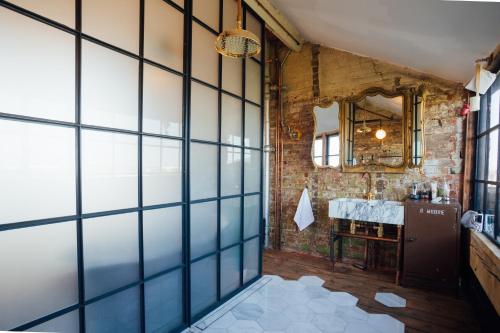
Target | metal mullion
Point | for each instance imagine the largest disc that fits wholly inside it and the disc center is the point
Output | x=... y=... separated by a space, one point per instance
x=161 y=66
x=198 y=201
x=109 y=46
x=497 y=205
x=163 y=272
x=167 y=205
x=204 y=256
x=108 y=129
x=219 y=161
x=173 y=4
x=46 y=318
x=227 y=247
x=36 y=223
x=44 y=121
x=253 y=103
x=206 y=26
x=487 y=150
x=162 y=136
x=242 y=201
x=206 y=84
x=251 y=238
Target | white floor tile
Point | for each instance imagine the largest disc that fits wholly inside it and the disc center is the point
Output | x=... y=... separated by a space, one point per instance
x=311 y=280
x=391 y=300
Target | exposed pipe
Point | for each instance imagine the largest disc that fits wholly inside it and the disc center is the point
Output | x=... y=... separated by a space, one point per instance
x=267 y=141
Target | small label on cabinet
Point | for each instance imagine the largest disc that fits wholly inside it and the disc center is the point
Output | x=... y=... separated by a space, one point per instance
x=431 y=211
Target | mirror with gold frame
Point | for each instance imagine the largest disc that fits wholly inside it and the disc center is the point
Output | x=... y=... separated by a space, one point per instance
x=326 y=144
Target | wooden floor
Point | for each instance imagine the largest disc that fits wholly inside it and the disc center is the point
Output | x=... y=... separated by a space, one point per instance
x=425 y=312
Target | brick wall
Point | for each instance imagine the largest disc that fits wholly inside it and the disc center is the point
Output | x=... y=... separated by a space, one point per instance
x=319 y=75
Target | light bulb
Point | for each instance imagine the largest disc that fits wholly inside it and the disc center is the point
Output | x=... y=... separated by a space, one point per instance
x=380 y=134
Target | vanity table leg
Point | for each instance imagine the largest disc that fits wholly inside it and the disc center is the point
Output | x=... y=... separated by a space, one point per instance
x=398 y=255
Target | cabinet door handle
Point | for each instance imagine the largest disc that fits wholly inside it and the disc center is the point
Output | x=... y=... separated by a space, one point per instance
x=410 y=239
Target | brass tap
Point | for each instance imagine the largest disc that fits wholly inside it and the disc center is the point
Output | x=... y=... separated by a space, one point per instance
x=380 y=230
x=370 y=196
x=353 y=226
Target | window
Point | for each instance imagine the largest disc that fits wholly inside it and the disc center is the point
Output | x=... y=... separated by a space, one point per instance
x=318 y=151
x=333 y=157
x=487 y=178
x=327 y=150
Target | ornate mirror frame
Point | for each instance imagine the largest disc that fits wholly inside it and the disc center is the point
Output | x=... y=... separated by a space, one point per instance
x=326 y=104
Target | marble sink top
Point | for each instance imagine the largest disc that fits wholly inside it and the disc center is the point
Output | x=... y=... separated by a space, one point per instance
x=379 y=211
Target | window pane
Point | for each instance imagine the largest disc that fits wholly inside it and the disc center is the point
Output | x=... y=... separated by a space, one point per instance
x=67 y=323
x=230 y=224
x=230 y=8
x=62 y=11
x=204 y=112
x=208 y=12
x=318 y=148
x=162 y=239
x=39 y=272
x=35 y=158
x=495 y=104
x=489 y=217
x=251 y=260
x=36 y=80
x=118 y=313
x=252 y=126
x=483 y=114
x=162 y=108
x=252 y=218
x=113 y=21
x=231 y=120
x=333 y=161
x=229 y=270
x=480 y=157
x=164 y=34
x=493 y=155
x=163 y=302
x=109 y=171
x=318 y=160
x=203 y=284
x=232 y=75
x=255 y=27
x=203 y=228
x=205 y=62
x=479 y=197
x=333 y=145
x=109 y=88
x=111 y=253
x=252 y=171
x=162 y=171
x=252 y=83
x=230 y=171
x=203 y=171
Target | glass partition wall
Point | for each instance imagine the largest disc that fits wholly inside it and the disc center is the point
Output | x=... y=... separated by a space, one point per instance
x=131 y=172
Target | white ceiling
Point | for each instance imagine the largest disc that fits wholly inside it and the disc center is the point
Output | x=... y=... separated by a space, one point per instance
x=443 y=38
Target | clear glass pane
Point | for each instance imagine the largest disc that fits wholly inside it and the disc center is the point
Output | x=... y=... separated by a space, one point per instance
x=495 y=103
x=230 y=221
x=111 y=253
x=252 y=171
x=163 y=302
x=230 y=171
x=204 y=112
x=203 y=171
x=480 y=157
x=333 y=145
x=39 y=272
x=203 y=228
x=109 y=88
x=493 y=156
x=483 y=114
x=205 y=62
x=162 y=239
x=229 y=270
x=489 y=217
x=118 y=313
x=35 y=158
x=232 y=78
x=208 y=12
x=164 y=34
x=162 y=102
x=230 y=10
x=109 y=171
x=203 y=284
x=252 y=216
x=252 y=126
x=479 y=197
x=252 y=81
x=113 y=21
x=62 y=11
x=31 y=69
x=333 y=161
x=251 y=260
x=67 y=323
x=231 y=120
x=162 y=171
x=254 y=26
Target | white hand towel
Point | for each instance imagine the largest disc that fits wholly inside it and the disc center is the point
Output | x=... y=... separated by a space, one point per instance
x=304 y=215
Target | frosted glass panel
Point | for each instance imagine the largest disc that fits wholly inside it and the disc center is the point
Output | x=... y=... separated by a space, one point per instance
x=162 y=239
x=162 y=108
x=230 y=171
x=162 y=171
x=230 y=222
x=109 y=171
x=62 y=11
x=203 y=284
x=231 y=75
x=251 y=215
x=205 y=62
x=252 y=126
x=231 y=120
x=230 y=8
x=252 y=81
x=29 y=68
x=118 y=313
x=208 y=12
x=36 y=160
x=109 y=88
x=163 y=302
x=68 y=323
x=39 y=272
x=252 y=171
x=164 y=34
x=229 y=270
x=204 y=112
x=251 y=260
x=113 y=21
x=253 y=25
x=111 y=253
x=203 y=228
x=203 y=171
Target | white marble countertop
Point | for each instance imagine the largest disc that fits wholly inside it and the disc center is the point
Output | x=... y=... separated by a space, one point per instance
x=378 y=211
